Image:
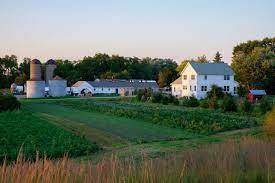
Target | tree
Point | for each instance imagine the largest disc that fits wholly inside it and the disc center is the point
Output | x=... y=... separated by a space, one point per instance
x=9 y=70
x=202 y=59
x=21 y=80
x=164 y=78
x=254 y=69
x=217 y=58
x=181 y=66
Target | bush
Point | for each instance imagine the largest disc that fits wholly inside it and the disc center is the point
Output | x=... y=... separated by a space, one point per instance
x=144 y=95
x=215 y=92
x=190 y=102
x=165 y=100
x=246 y=106
x=157 y=97
x=241 y=91
x=204 y=103
x=173 y=100
x=213 y=103
x=228 y=104
x=9 y=103
x=264 y=106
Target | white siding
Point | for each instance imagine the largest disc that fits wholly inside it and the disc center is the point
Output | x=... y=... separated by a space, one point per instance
x=189 y=71
x=200 y=81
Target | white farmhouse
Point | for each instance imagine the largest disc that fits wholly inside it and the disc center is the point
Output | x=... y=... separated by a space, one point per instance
x=121 y=87
x=197 y=79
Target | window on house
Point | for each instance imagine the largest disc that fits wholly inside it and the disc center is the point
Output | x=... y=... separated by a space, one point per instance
x=102 y=89
x=184 y=87
x=185 y=77
x=109 y=89
x=226 y=88
x=94 y=89
x=192 y=77
x=174 y=89
x=195 y=88
x=203 y=88
x=190 y=88
x=205 y=77
x=226 y=77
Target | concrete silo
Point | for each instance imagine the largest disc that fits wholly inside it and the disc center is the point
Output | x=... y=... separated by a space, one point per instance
x=35 y=86
x=57 y=87
x=50 y=67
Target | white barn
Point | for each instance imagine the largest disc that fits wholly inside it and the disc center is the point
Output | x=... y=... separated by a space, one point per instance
x=197 y=78
x=121 y=87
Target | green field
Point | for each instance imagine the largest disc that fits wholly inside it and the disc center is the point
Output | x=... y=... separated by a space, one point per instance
x=116 y=125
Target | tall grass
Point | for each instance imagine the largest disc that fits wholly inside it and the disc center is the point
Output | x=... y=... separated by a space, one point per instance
x=250 y=160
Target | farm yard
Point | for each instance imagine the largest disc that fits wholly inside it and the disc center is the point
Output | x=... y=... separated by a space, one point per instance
x=79 y=127
x=132 y=139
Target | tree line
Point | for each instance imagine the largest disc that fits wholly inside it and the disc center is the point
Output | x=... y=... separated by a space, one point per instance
x=253 y=63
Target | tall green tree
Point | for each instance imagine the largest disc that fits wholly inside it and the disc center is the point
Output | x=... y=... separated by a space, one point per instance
x=254 y=69
x=218 y=57
x=202 y=59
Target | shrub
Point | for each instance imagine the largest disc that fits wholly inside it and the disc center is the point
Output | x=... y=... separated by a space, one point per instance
x=213 y=103
x=157 y=97
x=165 y=100
x=241 y=91
x=204 y=103
x=228 y=104
x=9 y=103
x=215 y=92
x=190 y=102
x=144 y=95
x=264 y=105
x=246 y=106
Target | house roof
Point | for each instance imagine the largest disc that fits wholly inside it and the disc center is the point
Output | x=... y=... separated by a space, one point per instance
x=177 y=81
x=211 y=68
x=257 y=92
x=120 y=83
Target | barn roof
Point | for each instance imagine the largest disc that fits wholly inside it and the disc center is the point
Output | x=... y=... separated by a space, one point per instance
x=257 y=92
x=124 y=83
x=120 y=83
x=51 y=62
x=211 y=68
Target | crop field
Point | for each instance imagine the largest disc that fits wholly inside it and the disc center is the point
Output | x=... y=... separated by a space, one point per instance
x=25 y=132
x=80 y=127
x=203 y=121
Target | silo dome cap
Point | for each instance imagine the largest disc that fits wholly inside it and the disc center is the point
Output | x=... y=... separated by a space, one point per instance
x=35 y=61
x=51 y=62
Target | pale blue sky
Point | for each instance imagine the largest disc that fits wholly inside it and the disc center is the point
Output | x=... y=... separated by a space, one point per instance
x=177 y=29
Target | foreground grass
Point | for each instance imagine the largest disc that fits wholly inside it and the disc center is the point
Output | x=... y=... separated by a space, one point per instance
x=250 y=160
x=23 y=131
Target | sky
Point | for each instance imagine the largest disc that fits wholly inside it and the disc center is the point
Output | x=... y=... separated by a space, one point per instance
x=177 y=29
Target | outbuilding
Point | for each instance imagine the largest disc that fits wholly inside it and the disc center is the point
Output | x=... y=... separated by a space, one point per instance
x=255 y=95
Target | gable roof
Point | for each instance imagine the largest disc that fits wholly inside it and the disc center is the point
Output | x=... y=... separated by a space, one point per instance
x=177 y=81
x=120 y=84
x=211 y=68
x=257 y=92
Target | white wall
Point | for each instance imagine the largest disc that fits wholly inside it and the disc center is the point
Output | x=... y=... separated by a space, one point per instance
x=214 y=80
x=200 y=81
x=177 y=90
x=189 y=82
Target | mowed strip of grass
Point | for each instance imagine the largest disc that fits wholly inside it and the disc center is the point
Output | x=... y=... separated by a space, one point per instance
x=25 y=132
x=107 y=130
x=198 y=120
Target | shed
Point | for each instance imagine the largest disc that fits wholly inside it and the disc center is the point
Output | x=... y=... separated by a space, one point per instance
x=255 y=95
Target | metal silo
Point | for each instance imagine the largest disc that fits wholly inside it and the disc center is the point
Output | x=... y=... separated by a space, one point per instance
x=57 y=87
x=50 y=67
x=35 y=86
